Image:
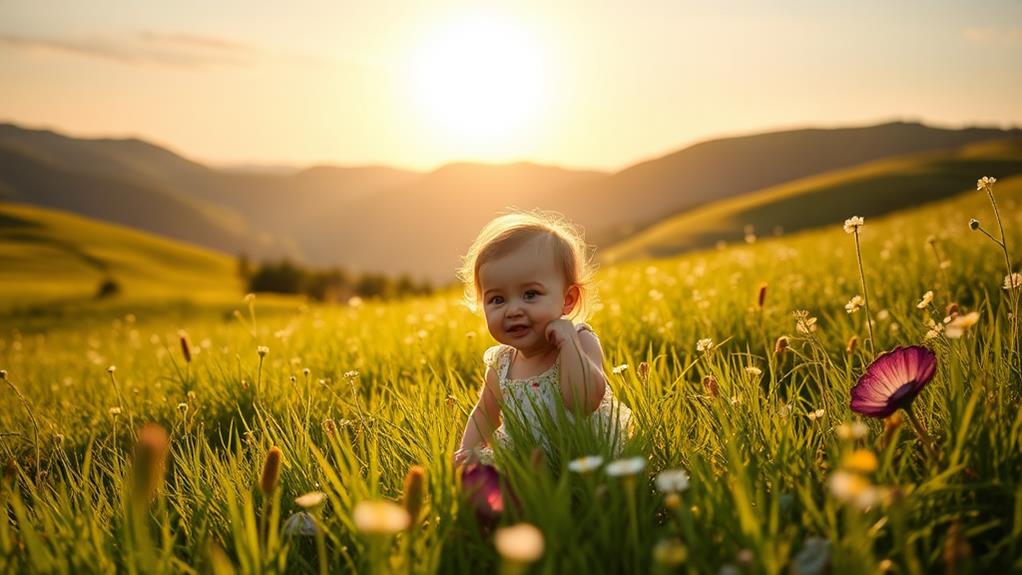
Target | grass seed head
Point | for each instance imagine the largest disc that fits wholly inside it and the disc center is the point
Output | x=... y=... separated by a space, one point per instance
x=415 y=489
x=271 y=471
x=150 y=462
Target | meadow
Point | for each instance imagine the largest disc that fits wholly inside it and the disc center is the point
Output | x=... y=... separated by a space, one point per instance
x=782 y=476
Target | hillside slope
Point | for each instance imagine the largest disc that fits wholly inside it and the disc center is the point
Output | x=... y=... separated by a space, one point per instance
x=46 y=254
x=871 y=189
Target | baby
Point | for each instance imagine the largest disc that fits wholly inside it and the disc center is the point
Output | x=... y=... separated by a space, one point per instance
x=531 y=272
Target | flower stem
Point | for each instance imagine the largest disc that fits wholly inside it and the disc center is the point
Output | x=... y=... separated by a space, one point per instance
x=924 y=437
x=865 y=296
x=1013 y=292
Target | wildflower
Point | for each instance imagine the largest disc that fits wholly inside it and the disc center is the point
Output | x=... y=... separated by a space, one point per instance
x=626 y=467
x=415 y=487
x=1013 y=281
x=893 y=380
x=619 y=369
x=860 y=460
x=300 y=523
x=669 y=552
x=781 y=345
x=271 y=471
x=985 y=183
x=704 y=345
x=672 y=501
x=804 y=323
x=115 y=411
x=380 y=517
x=852 y=431
x=960 y=324
x=521 y=543
x=482 y=487
x=813 y=558
x=585 y=464
x=672 y=481
x=927 y=298
x=150 y=461
x=853 y=224
x=753 y=370
x=3 y=375
x=311 y=500
x=973 y=224
x=814 y=415
x=854 y=488
x=854 y=304
x=182 y=407
x=262 y=350
x=305 y=372
x=111 y=369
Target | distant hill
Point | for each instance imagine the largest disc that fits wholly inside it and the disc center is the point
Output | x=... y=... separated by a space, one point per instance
x=870 y=189
x=46 y=254
x=397 y=221
x=149 y=207
x=651 y=191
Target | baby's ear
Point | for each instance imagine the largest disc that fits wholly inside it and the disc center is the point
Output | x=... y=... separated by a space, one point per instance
x=571 y=298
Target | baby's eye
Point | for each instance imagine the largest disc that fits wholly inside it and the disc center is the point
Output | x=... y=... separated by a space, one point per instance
x=496 y=299
x=531 y=294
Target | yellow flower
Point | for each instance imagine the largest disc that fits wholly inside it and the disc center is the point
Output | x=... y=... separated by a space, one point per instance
x=959 y=325
x=311 y=500
x=860 y=460
x=854 y=304
x=522 y=543
x=927 y=298
x=380 y=517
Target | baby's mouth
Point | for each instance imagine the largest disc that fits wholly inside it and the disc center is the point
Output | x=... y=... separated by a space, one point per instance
x=518 y=330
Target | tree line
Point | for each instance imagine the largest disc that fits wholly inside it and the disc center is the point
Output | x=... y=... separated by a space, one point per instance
x=326 y=285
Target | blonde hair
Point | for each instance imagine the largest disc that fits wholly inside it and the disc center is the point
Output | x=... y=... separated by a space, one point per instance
x=507 y=232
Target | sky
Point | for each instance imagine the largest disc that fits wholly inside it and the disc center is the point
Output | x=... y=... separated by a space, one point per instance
x=581 y=84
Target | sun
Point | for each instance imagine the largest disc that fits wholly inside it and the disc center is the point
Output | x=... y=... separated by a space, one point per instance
x=478 y=79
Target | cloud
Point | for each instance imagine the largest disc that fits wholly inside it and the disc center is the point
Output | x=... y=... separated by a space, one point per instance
x=994 y=35
x=147 y=48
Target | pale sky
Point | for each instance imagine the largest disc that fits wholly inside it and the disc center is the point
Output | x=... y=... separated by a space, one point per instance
x=418 y=84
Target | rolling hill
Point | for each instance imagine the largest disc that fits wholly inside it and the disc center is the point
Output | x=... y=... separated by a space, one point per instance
x=46 y=254
x=397 y=221
x=871 y=189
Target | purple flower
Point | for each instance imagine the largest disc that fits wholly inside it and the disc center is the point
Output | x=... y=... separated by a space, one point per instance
x=481 y=484
x=893 y=380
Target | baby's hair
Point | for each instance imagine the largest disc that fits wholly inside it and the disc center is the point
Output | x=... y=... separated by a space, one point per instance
x=507 y=232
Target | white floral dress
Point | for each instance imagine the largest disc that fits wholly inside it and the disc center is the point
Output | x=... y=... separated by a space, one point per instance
x=526 y=397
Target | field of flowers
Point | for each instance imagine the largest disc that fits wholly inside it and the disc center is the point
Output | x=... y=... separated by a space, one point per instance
x=293 y=438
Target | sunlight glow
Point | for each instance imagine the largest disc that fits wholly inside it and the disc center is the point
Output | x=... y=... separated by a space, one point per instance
x=479 y=81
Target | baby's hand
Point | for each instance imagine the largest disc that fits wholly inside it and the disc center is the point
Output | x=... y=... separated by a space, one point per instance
x=465 y=456
x=559 y=331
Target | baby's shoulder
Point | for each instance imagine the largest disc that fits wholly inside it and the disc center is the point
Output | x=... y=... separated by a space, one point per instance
x=493 y=355
x=583 y=326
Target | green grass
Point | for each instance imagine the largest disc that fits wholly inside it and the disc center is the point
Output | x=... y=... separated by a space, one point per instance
x=759 y=465
x=871 y=189
x=47 y=255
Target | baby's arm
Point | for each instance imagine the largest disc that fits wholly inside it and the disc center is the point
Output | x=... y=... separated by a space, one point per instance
x=484 y=419
x=583 y=382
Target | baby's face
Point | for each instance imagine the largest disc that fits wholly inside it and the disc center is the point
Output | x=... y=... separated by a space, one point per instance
x=522 y=292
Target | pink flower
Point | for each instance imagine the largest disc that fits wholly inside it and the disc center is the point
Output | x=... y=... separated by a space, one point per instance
x=893 y=380
x=481 y=484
